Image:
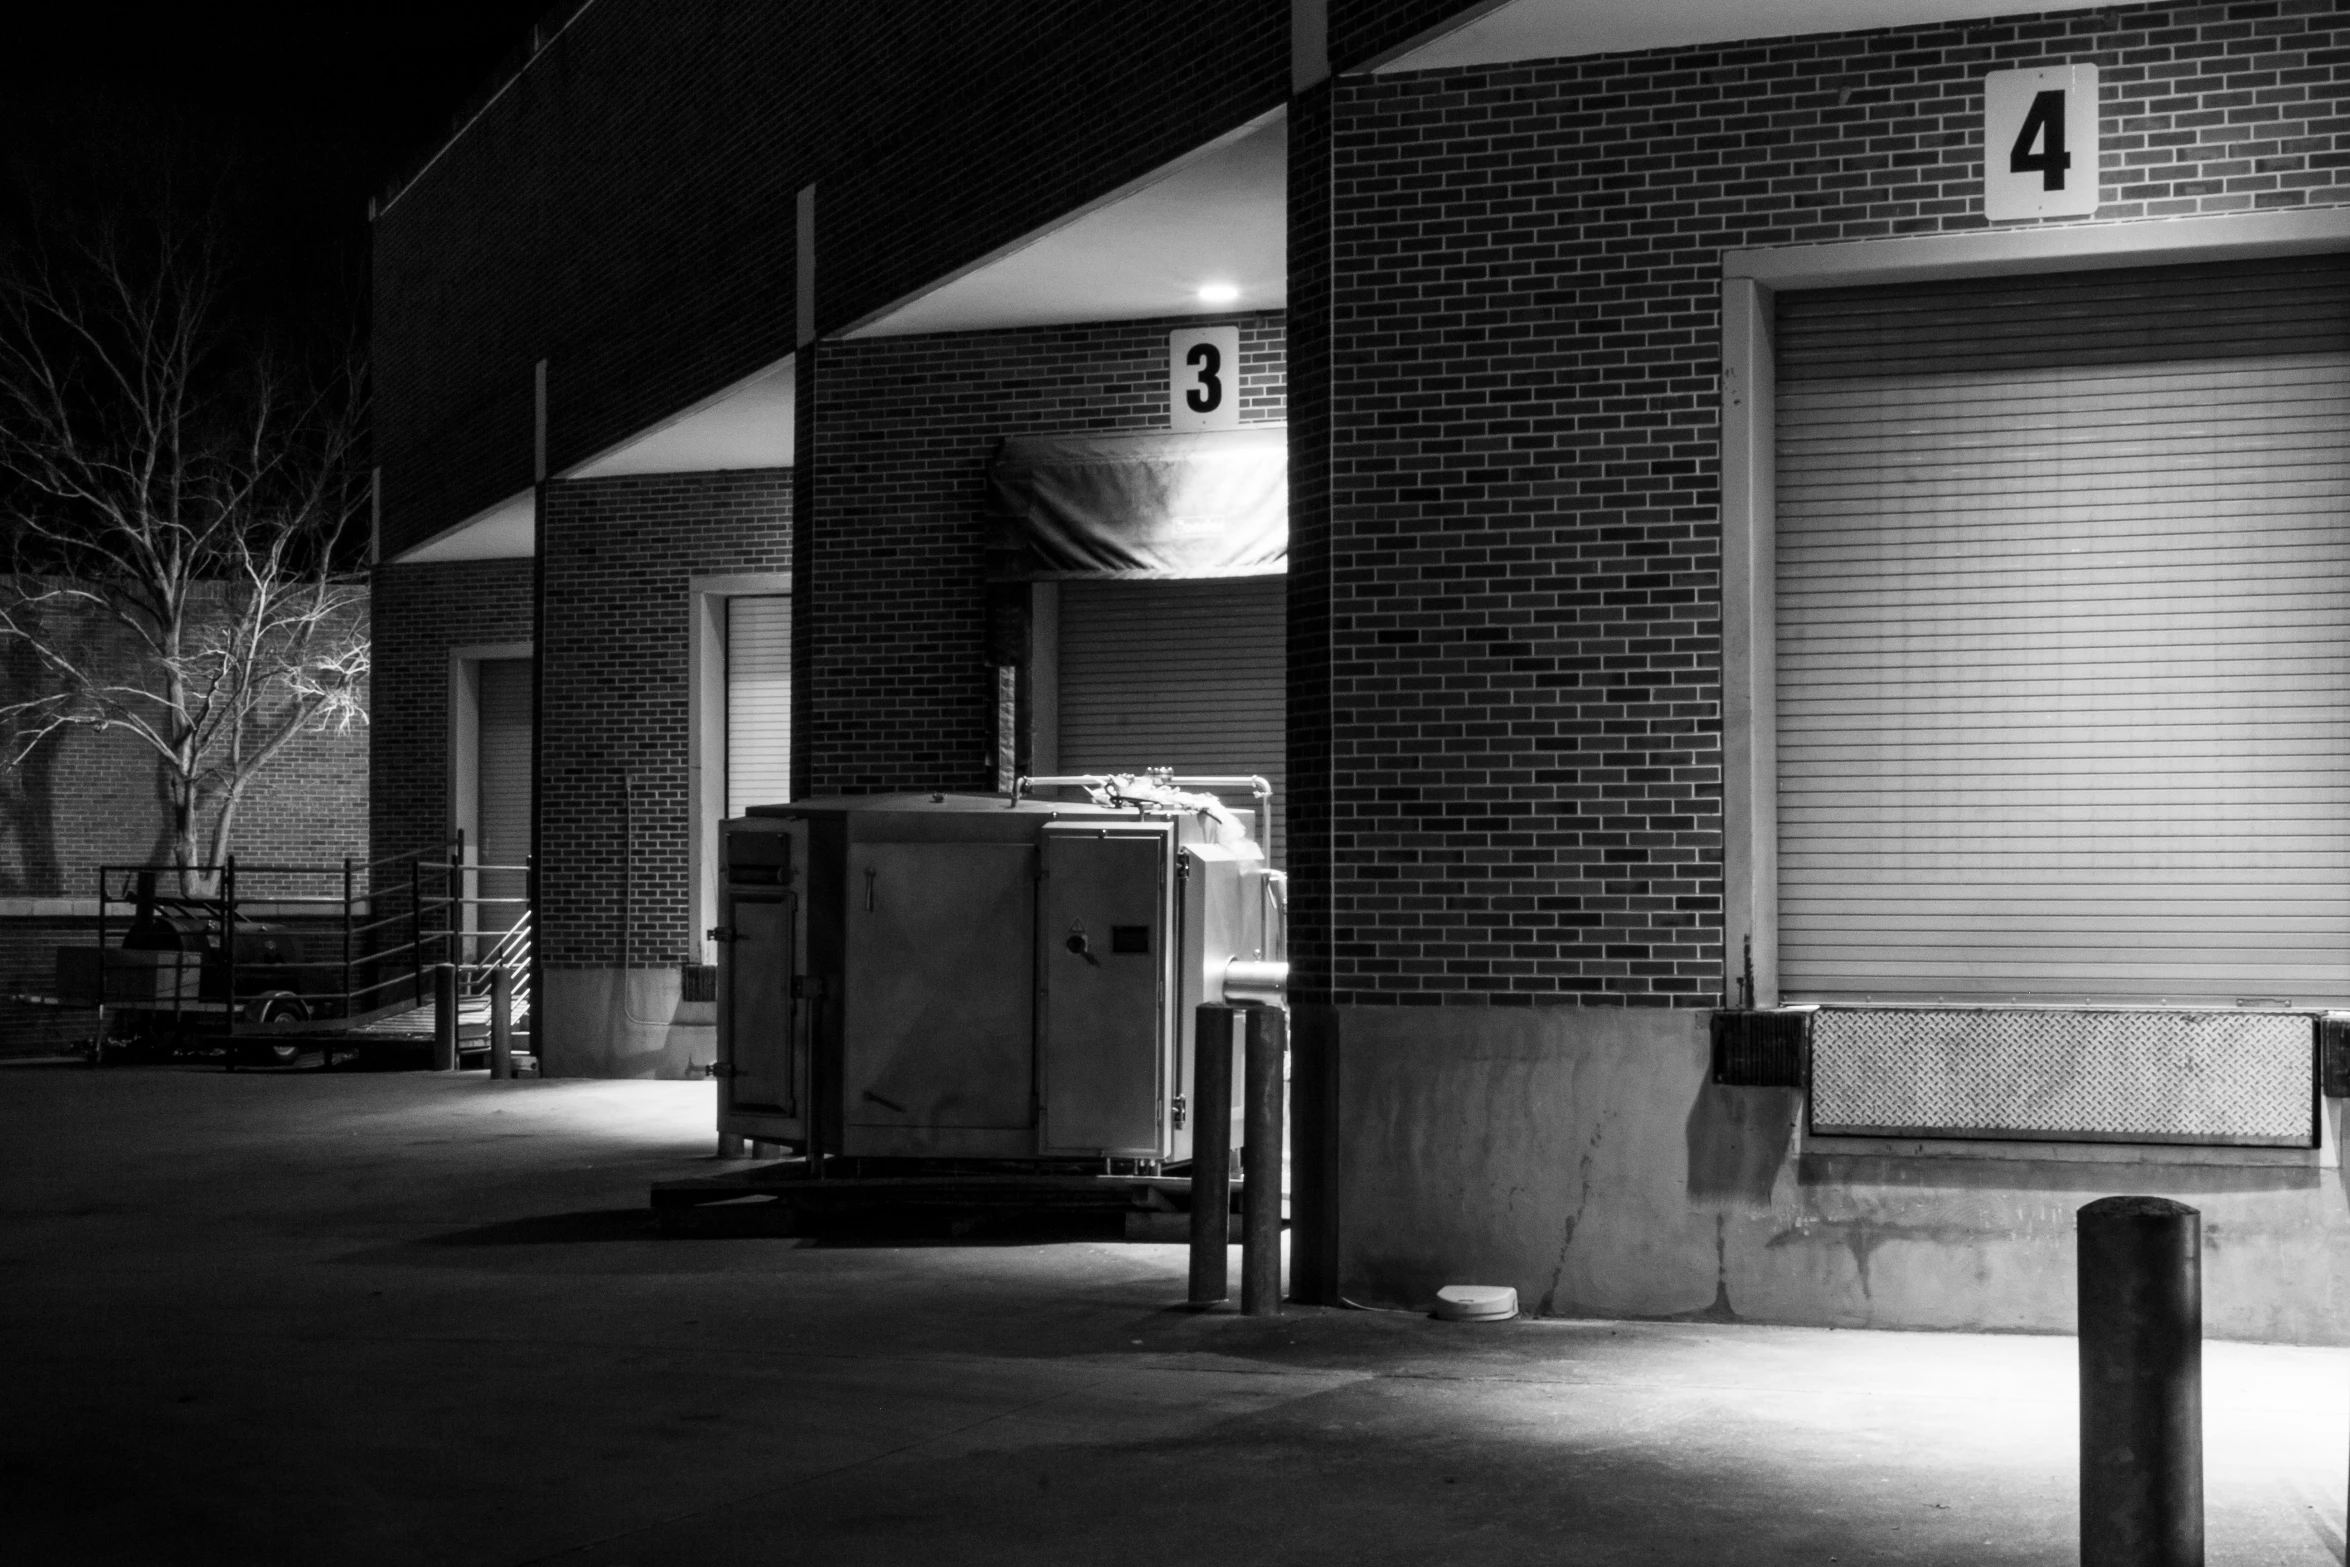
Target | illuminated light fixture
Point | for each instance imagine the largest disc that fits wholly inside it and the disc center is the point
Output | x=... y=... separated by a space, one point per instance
x=1218 y=293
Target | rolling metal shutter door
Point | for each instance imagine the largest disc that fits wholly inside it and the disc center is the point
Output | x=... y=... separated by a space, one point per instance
x=502 y=706
x=2062 y=638
x=758 y=702
x=1188 y=675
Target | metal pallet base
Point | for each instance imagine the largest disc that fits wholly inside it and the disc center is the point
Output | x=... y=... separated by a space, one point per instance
x=783 y=1198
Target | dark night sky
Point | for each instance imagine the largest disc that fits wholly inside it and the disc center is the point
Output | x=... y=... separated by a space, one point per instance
x=298 y=112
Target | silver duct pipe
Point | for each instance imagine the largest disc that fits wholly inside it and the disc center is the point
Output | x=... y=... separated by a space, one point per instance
x=1255 y=982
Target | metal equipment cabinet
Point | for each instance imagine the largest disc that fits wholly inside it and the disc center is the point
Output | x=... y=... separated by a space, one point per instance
x=962 y=977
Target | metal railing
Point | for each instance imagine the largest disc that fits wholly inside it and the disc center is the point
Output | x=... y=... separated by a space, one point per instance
x=326 y=945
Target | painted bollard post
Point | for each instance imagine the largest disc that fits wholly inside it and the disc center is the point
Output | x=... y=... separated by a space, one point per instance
x=1263 y=1096
x=444 y=1017
x=1211 y=1152
x=2140 y=1265
x=501 y=1022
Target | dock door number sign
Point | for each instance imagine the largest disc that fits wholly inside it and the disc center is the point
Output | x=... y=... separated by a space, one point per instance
x=2040 y=143
x=1203 y=378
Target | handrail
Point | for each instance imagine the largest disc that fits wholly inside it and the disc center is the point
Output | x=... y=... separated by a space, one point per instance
x=406 y=854
x=400 y=918
x=437 y=899
x=511 y=952
x=427 y=856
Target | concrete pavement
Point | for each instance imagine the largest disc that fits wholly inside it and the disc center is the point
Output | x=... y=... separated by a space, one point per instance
x=387 y=1317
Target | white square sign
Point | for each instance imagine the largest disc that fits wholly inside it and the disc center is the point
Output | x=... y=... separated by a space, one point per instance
x=1203 y=378
x=2040 y=143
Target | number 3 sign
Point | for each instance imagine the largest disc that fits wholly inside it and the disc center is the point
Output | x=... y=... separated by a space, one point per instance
x=2040 y=143
x=1203 y=378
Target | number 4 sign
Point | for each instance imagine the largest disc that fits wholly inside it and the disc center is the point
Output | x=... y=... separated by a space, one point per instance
x=2040 y=143
x=1203 y=378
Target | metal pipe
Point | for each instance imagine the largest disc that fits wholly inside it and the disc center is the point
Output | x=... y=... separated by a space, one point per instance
x=1260 y=789
x=627 y=875
x=346 y=936
x=461 y=913
x=228 y=948
x=1022 y=785
x=452 y=884
x=1211 y=1153
x=415 y=930
x=1258 y=786
x=444 y=1017
x=98 y=1039
x=530 y=974
x=501 y=1021
x=2140 y=1265
x=1260 y=1157
x=1254 y=982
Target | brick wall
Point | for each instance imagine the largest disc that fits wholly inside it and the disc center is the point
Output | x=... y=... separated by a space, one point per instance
x=421 y=612
x=1522 y=572
x=79 y=801
x=625 y=209
x=311 y=806
x=84 y=799
x=615 y=813
x=895 y=692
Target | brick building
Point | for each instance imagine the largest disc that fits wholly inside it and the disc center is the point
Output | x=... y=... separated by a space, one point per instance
x=1834 y=532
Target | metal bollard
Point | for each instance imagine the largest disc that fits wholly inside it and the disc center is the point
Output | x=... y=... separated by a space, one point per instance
x=444 y=1017
x=1211 y=1153
x=2140 y=1263
x=1260 y=1160
x=501 y=1022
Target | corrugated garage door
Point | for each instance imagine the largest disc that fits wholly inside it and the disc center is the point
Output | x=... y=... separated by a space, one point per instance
x=2064 y=637
x=502 y=701
x=758 y=702
x=1188 y=675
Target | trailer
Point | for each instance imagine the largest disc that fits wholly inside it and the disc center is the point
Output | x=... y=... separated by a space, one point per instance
x=260 y=964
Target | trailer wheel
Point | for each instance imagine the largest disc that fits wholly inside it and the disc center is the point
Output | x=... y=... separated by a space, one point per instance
x=281 y=1006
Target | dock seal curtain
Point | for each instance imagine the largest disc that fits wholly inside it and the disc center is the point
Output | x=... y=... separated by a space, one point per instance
x=1154 y=505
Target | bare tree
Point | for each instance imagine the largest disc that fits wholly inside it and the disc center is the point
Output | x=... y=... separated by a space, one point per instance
x=182 y=510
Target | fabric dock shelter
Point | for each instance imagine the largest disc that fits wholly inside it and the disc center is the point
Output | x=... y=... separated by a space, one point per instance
x=1152 y=505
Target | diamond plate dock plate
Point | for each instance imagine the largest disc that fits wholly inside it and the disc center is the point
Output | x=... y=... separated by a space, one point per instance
x=2242 y=1078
